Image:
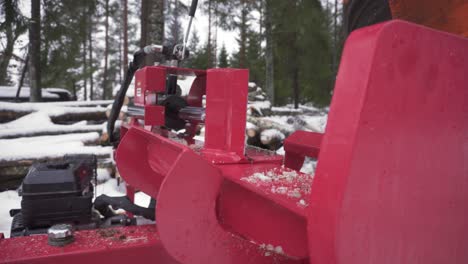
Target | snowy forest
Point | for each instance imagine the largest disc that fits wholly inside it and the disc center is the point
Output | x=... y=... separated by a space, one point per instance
x=63 y=62
x=292 y=48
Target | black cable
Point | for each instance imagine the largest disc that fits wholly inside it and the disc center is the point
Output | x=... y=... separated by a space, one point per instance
x=137 y=63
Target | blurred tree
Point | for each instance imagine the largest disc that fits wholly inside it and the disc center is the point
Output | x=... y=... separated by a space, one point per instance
x=105 y=84
x=12 y=26
x=63 y=51
x=125 y=35
x=34 y=52
x=198 y=56
x=255 y=60
x=91 y=68
x=302 y=53
x=269 y=56
x=152 y=25
x=176 y=33
x=223 y=58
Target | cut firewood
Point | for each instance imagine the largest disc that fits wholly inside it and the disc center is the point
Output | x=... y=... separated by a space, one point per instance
x=263 y=124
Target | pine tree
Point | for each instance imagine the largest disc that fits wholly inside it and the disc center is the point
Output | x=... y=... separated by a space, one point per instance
x=176 y=34
x=223 y=58
x=14 y=24
x=302 y=54
x=255 y=60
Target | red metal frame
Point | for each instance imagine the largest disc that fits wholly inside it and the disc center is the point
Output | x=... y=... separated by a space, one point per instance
x=382 y=193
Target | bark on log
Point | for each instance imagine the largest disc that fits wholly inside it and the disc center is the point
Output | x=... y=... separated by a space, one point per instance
x=76 y=117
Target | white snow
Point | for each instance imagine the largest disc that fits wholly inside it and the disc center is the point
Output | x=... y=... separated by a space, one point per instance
x=316 y=123
x=250 y=126
x=51 y=109
x=81 y=103
x=258 y=106
x=260 y=97
x=309 y=166
x=40 y=122
x=50 y=146
x=103 y=175
x=9 y=200
x=10 y=92
x=268 y=134
x=286 y=109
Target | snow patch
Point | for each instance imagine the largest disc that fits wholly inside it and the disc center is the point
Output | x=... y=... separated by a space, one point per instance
x=50 y=146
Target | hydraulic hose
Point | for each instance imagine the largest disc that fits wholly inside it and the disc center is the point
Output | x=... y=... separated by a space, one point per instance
x=137 y=63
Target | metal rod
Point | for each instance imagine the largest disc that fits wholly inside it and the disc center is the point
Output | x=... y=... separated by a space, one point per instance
x=187 y=32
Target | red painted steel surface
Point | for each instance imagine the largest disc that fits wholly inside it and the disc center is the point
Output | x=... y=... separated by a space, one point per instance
x=187 y=222
x=138 y=244
x=226 y=112
x=154 y=115
x=149 y=80
x=144 y=159
x=299 y=145
x=391 y=184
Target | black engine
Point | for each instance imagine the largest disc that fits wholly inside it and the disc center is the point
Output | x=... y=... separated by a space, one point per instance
x=62 y=193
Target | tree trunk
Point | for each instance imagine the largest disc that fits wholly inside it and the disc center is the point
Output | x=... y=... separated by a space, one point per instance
x=270 y=88
x=209 y=48
x=23 y=74
x=106 y=54
x=34 y=52
x=243 y=36
x=90 y=53
x=215 y=39
x=85 y=70
x=12 y=31
x=144 y=23
x=152 y=26
x=5 y=60
x=296 y=86
x=125 y=35
x=335 y=38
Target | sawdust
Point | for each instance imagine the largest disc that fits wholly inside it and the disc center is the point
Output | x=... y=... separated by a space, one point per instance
x=284 y=181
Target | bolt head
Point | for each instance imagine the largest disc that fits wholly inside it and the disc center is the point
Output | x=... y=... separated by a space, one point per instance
x=60 y=235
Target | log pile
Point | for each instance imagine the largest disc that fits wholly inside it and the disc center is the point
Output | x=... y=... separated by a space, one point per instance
x=268 y=126
x=60 y=112
x=51 y=122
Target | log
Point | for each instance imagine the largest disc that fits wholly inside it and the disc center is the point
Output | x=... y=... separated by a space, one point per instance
x=8 y=116
x=47 y=131
x=268 y=124
x=266 y=138
x=76 y=117
x=66 y=118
